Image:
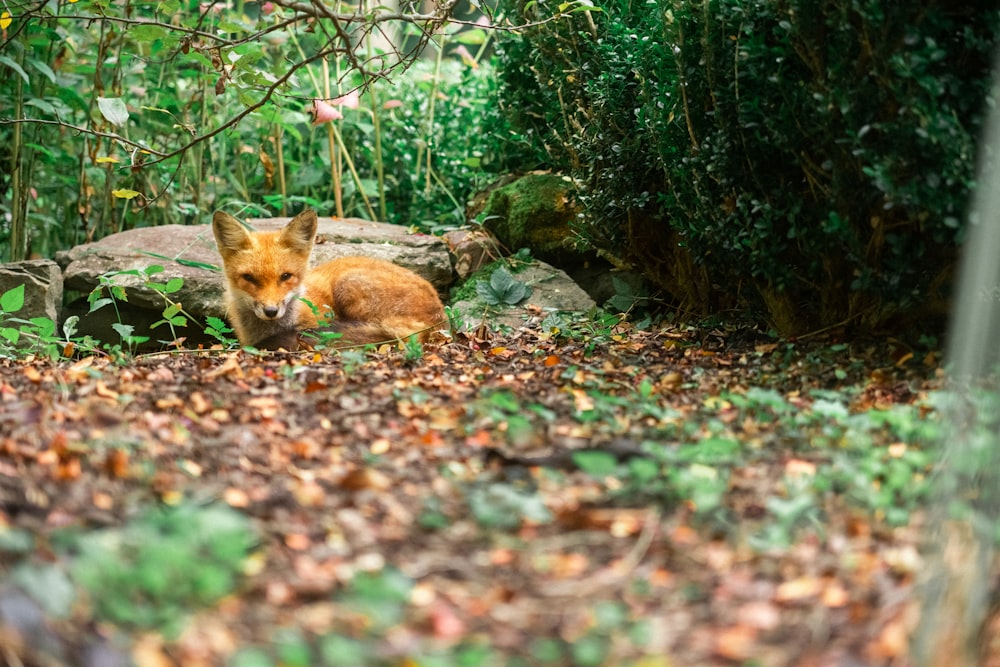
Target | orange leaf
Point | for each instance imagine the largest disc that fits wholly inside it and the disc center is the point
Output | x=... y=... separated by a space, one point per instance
x=297 y=541
x=360 y=479
x=116 y=464
x=736 y=643
x=799 y=589
x=834 y=595
x=552 y=360
x=69 y=470
x=236 y=497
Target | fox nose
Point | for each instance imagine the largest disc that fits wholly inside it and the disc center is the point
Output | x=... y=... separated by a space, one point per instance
x=271 y=311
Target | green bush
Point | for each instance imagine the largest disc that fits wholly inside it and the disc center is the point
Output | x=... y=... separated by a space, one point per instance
x=813 y=159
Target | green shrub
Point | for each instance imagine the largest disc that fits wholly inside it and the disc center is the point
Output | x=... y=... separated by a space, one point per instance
x=813 y=159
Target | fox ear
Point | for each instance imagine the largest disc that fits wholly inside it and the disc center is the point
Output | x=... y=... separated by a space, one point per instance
x=230 y=234
x=300 y=233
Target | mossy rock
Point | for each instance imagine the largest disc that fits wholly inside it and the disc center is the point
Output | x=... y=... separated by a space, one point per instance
x=536 y=211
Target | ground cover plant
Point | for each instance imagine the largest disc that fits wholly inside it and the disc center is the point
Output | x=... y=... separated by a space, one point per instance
x=581 y=493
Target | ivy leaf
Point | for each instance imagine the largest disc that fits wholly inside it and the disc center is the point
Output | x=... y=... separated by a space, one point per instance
x=113 y=109
x=502 y=288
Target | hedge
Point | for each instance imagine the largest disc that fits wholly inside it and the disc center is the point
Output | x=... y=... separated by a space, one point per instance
x=811 y=159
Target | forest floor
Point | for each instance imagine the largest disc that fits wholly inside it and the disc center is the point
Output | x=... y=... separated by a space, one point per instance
x=588 y=495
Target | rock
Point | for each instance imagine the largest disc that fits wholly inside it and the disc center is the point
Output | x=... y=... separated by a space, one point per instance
x=535 y=212
x=470 y=250
x=43 y=287
x=551 y=291
x=189 y=253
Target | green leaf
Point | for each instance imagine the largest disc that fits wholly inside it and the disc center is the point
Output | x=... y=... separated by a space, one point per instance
x=12 y=300
x=97 y=304
x=44 y=326
x=251 y=657
x=114 y=110
x=217 y=323
x=70 y=326
x=487 y=293
x=43 y=68
x=124 y=330
x=9 y=62
x=41 y=105
x=596 y=462
x=502 y=288
x=146 y=33
x=12 y=335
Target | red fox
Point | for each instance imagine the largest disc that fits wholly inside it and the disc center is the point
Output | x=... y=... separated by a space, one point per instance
x=367 y=300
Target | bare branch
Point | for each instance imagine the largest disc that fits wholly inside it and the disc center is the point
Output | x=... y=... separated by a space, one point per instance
x=83 y=130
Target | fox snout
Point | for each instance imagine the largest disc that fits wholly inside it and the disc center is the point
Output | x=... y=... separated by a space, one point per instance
x=268 y=311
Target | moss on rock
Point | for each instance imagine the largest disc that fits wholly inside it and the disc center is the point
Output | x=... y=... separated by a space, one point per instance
x=536 y=211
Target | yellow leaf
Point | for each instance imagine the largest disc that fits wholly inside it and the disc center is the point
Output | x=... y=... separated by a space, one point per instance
x=5 y=20
x=125 y=194
x=107 y=158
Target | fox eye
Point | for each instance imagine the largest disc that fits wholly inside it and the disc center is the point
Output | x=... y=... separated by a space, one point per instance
x=249 y=278
x=285 y=277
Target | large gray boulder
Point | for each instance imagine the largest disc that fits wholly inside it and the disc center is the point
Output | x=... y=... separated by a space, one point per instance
x=189 y=253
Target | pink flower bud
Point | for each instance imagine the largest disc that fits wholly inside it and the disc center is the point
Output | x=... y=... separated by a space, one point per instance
x=324 y=112
x=351 y=100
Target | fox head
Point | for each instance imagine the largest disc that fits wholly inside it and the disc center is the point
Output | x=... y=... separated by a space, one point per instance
x=265 y=270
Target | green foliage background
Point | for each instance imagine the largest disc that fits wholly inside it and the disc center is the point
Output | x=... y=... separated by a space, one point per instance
x=811 y=158
x=184 y=70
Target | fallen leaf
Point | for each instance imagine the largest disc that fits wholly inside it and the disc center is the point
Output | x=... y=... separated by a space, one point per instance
x=736 y=642
x=445 y=623
x=797 y=590
x=297 y=541
x=360 y=479
x=236 y=497
x=116 y=464
x=834 y=595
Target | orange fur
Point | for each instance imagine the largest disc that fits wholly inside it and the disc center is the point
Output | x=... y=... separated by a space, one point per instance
x=367 y=300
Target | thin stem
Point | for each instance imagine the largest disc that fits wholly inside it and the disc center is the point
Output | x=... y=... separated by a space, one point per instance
x=429 y=135
x=336 y=182
x=18 y=208
x=377 y=125
x=281 y=169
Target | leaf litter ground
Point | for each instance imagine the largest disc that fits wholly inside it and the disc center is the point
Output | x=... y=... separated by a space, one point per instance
x=588 y=497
